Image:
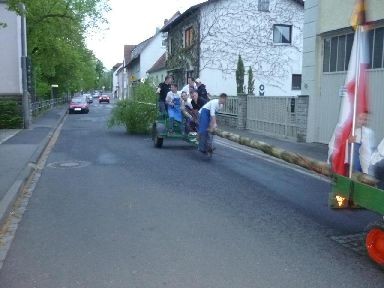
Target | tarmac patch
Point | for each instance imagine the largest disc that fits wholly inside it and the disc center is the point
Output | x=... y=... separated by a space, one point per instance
x=69 y=164
x=354 y=242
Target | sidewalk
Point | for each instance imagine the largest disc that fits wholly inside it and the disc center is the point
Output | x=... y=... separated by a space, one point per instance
x=19 y=151
x=317 y=151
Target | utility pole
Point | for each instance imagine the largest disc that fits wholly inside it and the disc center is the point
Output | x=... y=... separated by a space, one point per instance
x=25 y=99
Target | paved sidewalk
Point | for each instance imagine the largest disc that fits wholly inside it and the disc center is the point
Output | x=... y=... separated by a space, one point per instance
x=317 y=151
x=19 y=151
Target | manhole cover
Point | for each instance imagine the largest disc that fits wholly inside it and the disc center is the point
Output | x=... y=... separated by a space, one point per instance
x=355 y=242
x=69 y=164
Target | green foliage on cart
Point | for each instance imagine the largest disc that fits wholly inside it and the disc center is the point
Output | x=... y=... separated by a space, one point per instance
x=138 y=112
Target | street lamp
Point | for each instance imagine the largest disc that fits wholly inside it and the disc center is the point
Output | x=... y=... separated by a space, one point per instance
x=53 y=86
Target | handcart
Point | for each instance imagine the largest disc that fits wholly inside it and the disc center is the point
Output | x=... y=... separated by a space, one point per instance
x=162 y=129
x=352 y=193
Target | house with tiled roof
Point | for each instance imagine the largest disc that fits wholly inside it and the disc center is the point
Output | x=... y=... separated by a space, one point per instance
x=158 y=71
x=115 y=79
x=144 y=55
x=206 y=40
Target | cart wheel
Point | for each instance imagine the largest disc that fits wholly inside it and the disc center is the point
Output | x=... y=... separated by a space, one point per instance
x=374 y=242
x=157 y=141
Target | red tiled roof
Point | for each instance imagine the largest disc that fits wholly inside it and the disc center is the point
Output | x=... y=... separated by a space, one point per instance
x=127 y=53
x=160 y=64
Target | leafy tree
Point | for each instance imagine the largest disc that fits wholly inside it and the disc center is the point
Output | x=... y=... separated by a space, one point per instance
x=138 y=112
x=251 y=81
x=240 y=75
x=56 y=32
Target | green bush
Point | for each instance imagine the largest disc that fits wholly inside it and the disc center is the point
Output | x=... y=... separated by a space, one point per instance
x=138 y=112
x=10 y=115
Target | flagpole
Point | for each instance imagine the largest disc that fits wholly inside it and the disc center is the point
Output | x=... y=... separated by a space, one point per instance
x=357 y=77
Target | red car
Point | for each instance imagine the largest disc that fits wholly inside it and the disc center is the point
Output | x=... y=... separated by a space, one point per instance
x=79 y=105
x=104 y=98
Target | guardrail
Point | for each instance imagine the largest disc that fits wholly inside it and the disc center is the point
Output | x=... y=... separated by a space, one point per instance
x=40 y=106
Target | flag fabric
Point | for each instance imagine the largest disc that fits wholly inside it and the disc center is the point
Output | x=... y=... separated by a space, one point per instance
x=355 y=84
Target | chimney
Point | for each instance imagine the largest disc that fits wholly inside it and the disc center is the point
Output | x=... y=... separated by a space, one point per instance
x=165 y=21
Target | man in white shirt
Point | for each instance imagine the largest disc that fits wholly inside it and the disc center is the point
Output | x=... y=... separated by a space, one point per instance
x=191 y=85
x=207 y=122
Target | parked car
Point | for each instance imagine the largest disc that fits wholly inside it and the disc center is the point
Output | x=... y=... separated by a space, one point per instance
x=104 y=98
x=79 y=105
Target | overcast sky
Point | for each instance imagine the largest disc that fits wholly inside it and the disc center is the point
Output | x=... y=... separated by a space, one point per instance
x=131 y=22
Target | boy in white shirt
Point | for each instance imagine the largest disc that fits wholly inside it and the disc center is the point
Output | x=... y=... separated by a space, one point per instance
x=207 y=122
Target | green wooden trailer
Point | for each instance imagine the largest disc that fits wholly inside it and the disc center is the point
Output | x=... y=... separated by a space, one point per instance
x=351 y=193
x=161 y=130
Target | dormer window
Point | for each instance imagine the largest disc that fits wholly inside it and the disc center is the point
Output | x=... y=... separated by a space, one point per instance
x=188 y=37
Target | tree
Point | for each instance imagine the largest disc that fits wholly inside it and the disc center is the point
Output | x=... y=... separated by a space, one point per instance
x=56 y=32
x=251 y=81
x=240 y=75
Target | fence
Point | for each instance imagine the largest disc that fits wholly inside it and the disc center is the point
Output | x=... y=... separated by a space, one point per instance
x=278 y=116
x=43 y=105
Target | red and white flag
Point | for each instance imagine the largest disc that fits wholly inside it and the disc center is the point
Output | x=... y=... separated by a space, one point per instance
x=355 y=90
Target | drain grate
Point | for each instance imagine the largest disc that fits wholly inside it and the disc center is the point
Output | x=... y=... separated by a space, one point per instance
x=355 y=242
x=69 y=164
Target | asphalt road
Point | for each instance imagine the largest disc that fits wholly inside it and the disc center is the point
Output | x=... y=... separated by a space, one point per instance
x=110 y=210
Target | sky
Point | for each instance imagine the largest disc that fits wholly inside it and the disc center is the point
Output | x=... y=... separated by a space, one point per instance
x=131 y=22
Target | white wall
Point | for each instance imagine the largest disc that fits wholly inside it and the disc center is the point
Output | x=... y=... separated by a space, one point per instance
x=250 y=33
x=10 y=53
x=151 y=53
x=158 y=76
x=115 y=79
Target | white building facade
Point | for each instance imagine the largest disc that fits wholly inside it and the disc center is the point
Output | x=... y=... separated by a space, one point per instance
x=328 y=39
x=266 y=33
x=10 y=53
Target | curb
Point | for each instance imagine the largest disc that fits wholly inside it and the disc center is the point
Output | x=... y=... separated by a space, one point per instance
x=17 y=187
x=290 y=157
x=308 y=163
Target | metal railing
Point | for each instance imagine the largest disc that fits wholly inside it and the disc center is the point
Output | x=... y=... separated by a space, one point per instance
x=43 y=105
x=230 y=107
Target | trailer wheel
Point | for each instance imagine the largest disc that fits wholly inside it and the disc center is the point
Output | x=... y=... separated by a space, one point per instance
x=157 y=141
x=374 y=242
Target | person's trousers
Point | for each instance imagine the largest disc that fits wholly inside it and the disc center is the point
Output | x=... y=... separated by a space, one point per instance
x=205 y=141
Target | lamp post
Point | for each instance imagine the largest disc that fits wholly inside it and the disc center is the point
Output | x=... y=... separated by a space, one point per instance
x=53 y=86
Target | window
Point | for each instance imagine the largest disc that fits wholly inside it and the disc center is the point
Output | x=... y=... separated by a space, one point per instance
x=327 y=54
x=188 y=37
x=164 y=37
x=282 y=33
x=296 y=81
x=337 y=51
x=341 y=54
x=169 y=46
x=263 y=5
x=378 y=48
x=334 y=43
x=189 y=74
